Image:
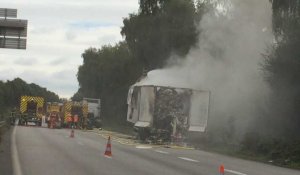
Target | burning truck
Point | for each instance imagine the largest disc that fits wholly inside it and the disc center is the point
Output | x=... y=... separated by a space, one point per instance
x=165 y=114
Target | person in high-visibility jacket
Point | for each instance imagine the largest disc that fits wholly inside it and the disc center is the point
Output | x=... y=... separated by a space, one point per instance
x=48 y=121
x=69 y=121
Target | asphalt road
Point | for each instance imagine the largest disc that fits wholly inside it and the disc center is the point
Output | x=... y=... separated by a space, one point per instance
x=44 y=151
x=5 y=153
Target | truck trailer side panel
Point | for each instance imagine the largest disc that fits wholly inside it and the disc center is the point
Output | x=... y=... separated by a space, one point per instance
x=146 y=107
x=132 y=100
x=199 y=111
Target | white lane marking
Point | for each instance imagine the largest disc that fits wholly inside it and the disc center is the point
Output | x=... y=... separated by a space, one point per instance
x=15 y=155
x=80 y=143
x=160 y=151
x=234 y=172
x=143 y=147
x=188 y=159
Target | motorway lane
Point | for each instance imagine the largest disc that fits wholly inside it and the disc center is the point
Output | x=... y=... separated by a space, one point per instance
x=45 y=151
x=5 y=153
x=51 y=151
x=207 y=159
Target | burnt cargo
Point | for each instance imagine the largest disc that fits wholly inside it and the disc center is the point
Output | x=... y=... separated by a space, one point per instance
x=163 y=113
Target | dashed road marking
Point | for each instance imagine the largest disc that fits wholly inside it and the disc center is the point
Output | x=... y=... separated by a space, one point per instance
x=143 y=147
x=80 y=143
x=188 y=159
x=234 y=172
x=160 y=151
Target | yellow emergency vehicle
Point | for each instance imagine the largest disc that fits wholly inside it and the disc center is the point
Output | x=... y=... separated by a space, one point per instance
x=54 y=115
x=31 y=110
x=72 y=108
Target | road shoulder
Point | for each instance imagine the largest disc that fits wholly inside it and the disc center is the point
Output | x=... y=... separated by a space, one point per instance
x=5 y=153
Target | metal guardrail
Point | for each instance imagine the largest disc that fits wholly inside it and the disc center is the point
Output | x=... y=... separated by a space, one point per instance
x=2 y=124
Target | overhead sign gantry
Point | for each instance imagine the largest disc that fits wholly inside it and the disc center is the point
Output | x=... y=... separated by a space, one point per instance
x=13 y=32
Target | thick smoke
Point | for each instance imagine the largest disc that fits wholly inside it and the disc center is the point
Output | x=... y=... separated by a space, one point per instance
x=226 y=62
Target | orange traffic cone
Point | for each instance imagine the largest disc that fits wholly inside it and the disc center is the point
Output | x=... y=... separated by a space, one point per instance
x=108 y=149
x=72 y=133
x=222 y=169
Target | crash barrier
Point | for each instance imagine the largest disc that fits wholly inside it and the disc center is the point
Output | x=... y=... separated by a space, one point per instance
x=2 y=125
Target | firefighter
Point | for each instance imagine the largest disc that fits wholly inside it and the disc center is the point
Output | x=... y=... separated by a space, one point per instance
x=76 y=121
x=59 y=121
x=52 y=121
x=13 y=116
x=47 y=120
x=26 y=119
x=69 y=121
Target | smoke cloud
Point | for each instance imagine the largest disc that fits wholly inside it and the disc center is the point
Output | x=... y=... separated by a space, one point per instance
x=226 y=61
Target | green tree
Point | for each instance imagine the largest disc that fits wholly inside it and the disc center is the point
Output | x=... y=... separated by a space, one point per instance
x=161 y=27
x=285 y=17
x=107 y=73
x=78 y=96
x=282 y=67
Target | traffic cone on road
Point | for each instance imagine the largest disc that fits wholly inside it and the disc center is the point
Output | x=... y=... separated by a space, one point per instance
x=222 y=169
x=108 y=148
x=72 y=133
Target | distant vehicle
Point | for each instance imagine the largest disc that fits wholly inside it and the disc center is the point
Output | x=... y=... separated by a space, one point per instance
x=72 y=108
x=31 y=110
x=162 y=114
x=54 y=115
x=94 y=109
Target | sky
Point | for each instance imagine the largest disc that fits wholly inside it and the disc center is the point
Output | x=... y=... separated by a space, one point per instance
x=58 y=33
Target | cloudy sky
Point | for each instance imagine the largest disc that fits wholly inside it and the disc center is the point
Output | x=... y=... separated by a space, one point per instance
x=58 y=33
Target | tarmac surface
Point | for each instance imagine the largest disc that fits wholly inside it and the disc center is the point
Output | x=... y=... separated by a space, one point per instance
x=37 y=151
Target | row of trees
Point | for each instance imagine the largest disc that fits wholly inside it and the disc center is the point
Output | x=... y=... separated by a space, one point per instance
x=11 y=91
x=282 y=73
x=107 y=73
x=282 y=67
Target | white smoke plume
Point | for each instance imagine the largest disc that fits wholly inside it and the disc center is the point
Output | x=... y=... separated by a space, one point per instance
x=226 y=62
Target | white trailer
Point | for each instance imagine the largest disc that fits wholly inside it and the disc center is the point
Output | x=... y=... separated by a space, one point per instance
x=94 y=112
x=94 y=106
x=178 y=110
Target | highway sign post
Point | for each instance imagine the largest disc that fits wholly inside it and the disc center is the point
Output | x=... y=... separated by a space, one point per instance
x=13 y=32
x=12 y=13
